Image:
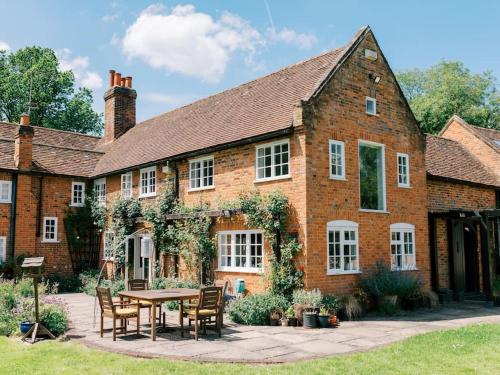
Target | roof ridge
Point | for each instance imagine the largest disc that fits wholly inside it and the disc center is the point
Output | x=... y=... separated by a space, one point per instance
x=249 y=82
x=483 y=128
x=54 y=130
x=67 y=148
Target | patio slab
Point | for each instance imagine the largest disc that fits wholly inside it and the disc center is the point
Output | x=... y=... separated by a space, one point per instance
x=267 y=344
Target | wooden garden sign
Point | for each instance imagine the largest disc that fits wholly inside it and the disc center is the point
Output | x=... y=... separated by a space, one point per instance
x=35 y=268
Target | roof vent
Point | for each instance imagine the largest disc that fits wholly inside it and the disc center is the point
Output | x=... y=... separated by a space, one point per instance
x=371 y=54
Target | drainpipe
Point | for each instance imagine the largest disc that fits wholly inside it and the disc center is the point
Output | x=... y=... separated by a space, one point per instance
x=176 y=191
x=12 y=229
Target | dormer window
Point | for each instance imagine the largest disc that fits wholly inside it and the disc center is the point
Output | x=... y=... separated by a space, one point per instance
x=371 y=106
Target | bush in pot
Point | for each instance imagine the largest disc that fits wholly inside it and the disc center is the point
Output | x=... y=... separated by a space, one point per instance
x=324 y=317
x=290 y=315
x=310 y=302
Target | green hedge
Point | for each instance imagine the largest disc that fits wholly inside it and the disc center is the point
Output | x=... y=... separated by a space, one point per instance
x=255 y=309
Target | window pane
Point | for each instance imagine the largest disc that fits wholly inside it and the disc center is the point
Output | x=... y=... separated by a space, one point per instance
x=371 y=177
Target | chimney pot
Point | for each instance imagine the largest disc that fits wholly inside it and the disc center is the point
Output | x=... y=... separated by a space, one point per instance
x=25 y=119
x=111 y=78
x=128 y=82
x=122 y=82
x=118 y=79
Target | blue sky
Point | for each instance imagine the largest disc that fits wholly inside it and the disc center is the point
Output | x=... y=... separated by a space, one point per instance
x=181 y=51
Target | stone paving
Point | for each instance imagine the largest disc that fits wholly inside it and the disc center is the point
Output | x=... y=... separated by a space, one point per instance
x=265 y=344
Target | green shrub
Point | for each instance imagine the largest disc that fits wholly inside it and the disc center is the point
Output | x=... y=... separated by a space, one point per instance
x=385 y=282
x=8 y=323
x=64 y=284
x=309 y=298
x=255 y=309
x=173 y=282
x=54 y=318
x=88 y=281
x=351 y=307
x=330 y=302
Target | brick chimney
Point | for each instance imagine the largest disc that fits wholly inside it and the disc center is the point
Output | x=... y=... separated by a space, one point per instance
x=23 y=149
x=119 y=106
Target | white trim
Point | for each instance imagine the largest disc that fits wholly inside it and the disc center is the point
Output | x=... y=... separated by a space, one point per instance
x=232 y=268
x=384 y=187
x=342 y=226
x=342 y=156
x=151 y=189
x=101 y=199
x=407 y=159
x=73 y=184
x=202 y=173
x=130 y=176
x=374 y=101
x=402 y=229
x=3 y=249
x=44 y=233
x=9 y=196
x=273 y=171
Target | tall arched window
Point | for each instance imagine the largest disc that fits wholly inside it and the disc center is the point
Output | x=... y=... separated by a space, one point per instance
x=403 y=246
x=342 y=247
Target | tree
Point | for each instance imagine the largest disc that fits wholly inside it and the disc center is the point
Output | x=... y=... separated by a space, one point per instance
x=56 y=102
x=449 y=88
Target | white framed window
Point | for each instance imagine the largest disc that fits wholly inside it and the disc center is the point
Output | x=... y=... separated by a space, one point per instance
x=5 y=191
x=337 y=160
x=342 y=247
x=49 y=229
x=371 y=106
x=201 y=173
x=273 y=160
x=100 y=190
x=108 y=246
x=403 y=170
x=148 y=182
x=78 y=194
x=403 y=246
x=241 y=251
x=3 y=249
x=372 y=176
x=126 y=185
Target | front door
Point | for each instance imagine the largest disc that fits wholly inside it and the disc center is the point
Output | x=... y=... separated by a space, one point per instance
x=465 y=259
x=142 y=258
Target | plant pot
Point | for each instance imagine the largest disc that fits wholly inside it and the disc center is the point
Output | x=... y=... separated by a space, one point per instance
x=292 y=322
x=333 y=321
x=274 y=322
x=284 y=322
x=24 y=327
x=310 y=320
x=324 y=321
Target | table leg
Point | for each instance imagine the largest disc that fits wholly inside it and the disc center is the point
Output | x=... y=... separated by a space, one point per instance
x=181 y=319
x=153 y=323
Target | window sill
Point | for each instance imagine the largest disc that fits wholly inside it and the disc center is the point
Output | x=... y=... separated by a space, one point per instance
x=147 y=196
x=338 y=178
x=50 y=241
x=268 y=179
x=194 y=190
x=404 y=269
x=76 y=205
x=240 y=270
x=6 y=202
x=404 y=186
x=339 y=273
x=372 y=114
x=374 y=211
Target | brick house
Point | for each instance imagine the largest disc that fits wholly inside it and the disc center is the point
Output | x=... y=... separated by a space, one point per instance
x=334 y=133
x=463 y=166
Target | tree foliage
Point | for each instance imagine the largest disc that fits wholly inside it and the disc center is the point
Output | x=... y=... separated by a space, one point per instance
x=450 y=88
x=57 y=104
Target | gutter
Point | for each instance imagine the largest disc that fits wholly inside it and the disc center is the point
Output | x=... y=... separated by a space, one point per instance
x=12 y=227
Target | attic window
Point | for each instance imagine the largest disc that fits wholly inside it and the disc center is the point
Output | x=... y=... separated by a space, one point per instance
x=497 y=142
x=371 y=106
x=371 y=54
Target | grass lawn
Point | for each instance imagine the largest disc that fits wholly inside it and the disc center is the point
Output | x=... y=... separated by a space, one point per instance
x=469 y=350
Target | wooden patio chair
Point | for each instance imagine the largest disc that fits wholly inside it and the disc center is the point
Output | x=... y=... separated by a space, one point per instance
x=223 y=284
x=142 y=284
x=209 y=306
x=122 y=311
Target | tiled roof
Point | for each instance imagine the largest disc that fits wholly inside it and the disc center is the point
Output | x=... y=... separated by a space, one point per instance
x=492 y=136
x=259 y=107
x=54 y=151
x=449 y=159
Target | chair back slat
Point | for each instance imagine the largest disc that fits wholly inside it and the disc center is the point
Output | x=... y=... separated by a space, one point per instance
x=137 y=284
x=105 y=299
x=222 y=284
x=210 y=298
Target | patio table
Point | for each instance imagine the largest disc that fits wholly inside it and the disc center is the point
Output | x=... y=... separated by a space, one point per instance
x=159 y=296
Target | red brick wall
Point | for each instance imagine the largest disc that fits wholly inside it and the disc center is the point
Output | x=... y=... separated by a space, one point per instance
x=340 y=115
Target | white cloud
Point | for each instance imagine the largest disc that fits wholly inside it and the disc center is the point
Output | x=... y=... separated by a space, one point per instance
x=190 y=42
x=109 y=17
x=292 y=37
x=4 y=46
x=79 y=66
x=114 y=39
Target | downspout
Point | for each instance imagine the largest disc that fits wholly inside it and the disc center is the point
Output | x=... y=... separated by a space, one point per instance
x=176 y=192
x=12 y=229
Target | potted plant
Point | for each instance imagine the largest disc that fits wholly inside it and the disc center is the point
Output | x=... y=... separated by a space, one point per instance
x=334 y=321
x=24 y=327
x=310 y=300
x=284 y=321
x=274 y=318
x=323 y=317
x=290 y=314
